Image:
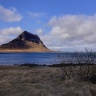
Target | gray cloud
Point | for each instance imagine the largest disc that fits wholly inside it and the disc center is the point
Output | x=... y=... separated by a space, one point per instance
x=9 y=15
x=71 y=32
x=8 y=34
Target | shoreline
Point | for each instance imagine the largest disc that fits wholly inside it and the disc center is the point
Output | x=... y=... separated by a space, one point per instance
x=47 y=65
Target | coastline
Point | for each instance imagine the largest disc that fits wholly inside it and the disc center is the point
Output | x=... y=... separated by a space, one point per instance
x=26 y=50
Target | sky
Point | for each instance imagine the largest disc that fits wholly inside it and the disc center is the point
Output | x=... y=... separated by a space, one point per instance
x=63 y=25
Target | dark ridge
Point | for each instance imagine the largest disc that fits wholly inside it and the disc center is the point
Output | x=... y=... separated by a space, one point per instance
x=15 y=44
x=26 y=36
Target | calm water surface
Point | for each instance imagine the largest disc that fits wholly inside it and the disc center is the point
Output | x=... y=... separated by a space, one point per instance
x=39 y=58
x=22 y=58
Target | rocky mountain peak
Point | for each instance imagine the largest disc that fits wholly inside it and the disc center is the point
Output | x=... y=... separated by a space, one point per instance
x=26 y=36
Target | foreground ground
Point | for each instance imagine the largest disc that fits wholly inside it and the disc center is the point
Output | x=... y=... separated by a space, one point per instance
x=41 y=81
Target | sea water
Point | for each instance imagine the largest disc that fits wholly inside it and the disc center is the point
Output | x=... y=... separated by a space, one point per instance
x=46 y=58
x=28 y=58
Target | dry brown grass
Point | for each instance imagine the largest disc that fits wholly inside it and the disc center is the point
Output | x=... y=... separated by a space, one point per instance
x=41 y=81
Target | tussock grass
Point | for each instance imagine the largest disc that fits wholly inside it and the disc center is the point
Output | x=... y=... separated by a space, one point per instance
x=42 y=81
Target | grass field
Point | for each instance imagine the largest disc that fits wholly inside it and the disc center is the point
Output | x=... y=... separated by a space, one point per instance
x=41 y=81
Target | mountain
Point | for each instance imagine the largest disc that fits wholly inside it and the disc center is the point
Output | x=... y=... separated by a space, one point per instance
x=25 y=42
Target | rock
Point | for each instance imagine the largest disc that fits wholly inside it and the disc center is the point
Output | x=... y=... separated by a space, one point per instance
x=26 y=36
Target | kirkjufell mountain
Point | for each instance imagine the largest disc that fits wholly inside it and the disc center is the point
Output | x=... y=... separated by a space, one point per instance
x=25 y=42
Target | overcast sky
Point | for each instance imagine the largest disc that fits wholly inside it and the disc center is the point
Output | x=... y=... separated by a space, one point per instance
x=64 y=25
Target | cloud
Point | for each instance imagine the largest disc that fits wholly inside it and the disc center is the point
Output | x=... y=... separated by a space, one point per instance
x=71 y=32
x=36 y=15
x=8 y=34
x=11 y=31
x=39 y=31
x=9 y=15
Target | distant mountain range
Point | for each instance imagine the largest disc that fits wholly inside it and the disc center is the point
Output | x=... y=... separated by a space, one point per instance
x=25 y=42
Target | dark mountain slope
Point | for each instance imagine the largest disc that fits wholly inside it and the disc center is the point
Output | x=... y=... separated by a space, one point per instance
x=25 y=41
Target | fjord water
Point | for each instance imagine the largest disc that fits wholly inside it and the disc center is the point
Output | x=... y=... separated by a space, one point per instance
x=40 y=58
x=30 y=58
